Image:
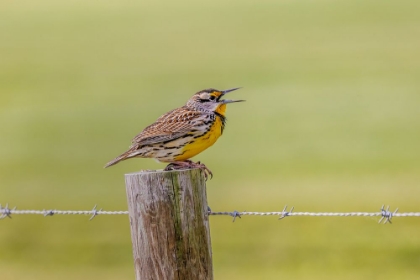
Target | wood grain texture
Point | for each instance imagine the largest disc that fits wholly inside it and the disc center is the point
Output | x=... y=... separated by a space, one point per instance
x=169 y=225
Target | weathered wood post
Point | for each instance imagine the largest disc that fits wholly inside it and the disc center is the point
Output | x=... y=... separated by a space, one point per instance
x=169 y=225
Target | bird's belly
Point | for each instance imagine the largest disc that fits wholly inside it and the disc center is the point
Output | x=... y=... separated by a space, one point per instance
x=199 y=144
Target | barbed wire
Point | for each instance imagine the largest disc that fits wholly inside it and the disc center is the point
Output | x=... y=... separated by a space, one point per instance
x=7 y=212
x=385 y=214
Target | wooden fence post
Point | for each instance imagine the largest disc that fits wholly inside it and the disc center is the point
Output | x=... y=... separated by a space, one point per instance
x=169 y=225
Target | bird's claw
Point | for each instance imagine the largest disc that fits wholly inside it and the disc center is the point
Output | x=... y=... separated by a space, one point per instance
x=179 y=165
x=205 y=170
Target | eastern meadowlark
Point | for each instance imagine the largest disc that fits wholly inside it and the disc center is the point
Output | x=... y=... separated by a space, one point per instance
x=182 y=133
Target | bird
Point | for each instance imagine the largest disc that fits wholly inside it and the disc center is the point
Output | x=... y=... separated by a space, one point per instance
x=182 y=133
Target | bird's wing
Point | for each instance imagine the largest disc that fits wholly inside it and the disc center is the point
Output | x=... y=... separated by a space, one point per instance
x=170 y=126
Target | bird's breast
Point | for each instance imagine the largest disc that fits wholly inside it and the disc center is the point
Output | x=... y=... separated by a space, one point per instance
x=202 y=141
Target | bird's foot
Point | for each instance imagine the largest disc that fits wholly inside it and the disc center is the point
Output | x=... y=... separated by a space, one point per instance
x=203 y=168
x=178 y=165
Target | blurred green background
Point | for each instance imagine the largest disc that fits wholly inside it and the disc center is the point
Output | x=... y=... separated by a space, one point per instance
x=331 y=123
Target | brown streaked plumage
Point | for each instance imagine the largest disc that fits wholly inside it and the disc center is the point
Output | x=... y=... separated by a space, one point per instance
x=183 y=132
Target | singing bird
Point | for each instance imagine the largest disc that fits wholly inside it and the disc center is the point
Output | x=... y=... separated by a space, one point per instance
x=182 y=133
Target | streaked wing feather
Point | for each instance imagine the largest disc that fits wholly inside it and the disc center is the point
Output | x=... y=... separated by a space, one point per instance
x=170 y=126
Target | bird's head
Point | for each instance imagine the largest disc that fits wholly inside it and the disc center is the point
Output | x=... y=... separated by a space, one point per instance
x=211 y=100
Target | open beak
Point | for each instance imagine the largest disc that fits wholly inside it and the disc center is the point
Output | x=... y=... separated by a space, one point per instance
x=227 y=100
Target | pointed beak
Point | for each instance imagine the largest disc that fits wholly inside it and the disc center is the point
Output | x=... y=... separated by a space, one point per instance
x=226 y=100
x=229 y=90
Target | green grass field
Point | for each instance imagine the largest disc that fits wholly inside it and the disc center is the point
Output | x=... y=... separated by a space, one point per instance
x=331 y=123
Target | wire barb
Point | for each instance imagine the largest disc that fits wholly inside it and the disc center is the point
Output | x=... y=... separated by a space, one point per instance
x=235 y=214
x=48 y=212
x=94 y=212
x=387 y=215
x=6 y=211
x=285 y=213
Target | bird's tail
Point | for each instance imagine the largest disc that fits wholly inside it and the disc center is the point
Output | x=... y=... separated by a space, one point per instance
x=116 y=160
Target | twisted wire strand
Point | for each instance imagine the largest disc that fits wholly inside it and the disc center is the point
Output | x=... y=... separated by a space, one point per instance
x=385 y=214
x=64 y=212
x=7 y=212
x=316 y=214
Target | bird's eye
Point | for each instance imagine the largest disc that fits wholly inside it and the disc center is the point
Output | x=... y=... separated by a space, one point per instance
x=212 y=97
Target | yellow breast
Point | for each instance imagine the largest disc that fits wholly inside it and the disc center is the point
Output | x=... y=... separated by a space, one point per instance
x=203 y=142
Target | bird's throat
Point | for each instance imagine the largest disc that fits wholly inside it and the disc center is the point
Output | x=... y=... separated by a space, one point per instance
x=221 y=109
